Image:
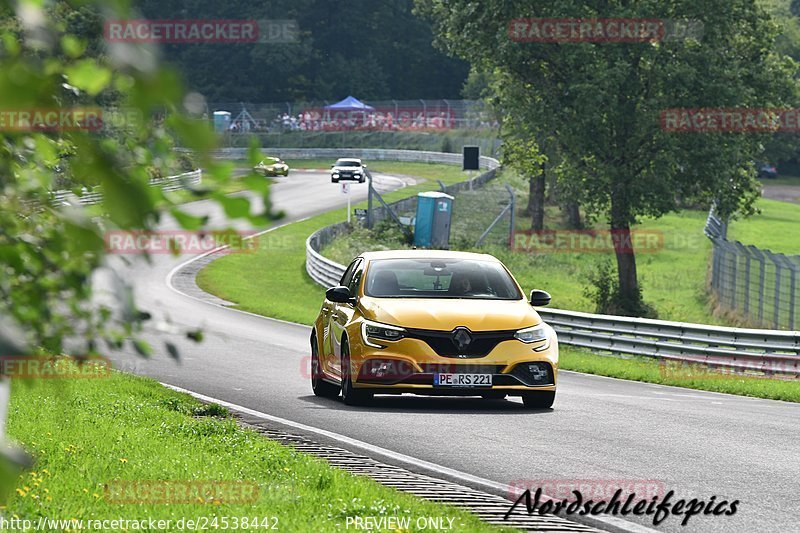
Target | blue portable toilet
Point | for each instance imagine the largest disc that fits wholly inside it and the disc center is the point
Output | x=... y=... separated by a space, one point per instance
x=432 y=227
x=222 y=121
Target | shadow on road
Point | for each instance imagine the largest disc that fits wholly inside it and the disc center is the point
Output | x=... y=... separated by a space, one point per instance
x=429 y=404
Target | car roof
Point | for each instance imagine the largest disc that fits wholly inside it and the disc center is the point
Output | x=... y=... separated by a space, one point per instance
x=426 y=254
x=348 y=159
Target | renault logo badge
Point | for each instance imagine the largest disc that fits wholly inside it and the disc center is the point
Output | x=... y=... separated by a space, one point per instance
x=462 y=338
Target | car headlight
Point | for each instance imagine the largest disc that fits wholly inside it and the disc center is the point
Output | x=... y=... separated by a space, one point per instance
x=335 y=174
x=376 y=331
x=532 y=334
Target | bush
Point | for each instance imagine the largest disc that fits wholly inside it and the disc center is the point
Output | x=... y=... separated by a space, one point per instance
x=603 y=291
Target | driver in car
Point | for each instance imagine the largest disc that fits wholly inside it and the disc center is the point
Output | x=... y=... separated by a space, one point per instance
x=460 y=285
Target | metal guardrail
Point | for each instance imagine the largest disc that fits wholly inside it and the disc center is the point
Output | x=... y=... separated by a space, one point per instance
x=171 y=183
x=741 y=350
x=369 y=154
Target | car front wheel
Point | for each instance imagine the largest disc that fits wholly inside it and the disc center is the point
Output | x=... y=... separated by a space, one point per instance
x=539 y=399
x=351 y=395
x=320 y=387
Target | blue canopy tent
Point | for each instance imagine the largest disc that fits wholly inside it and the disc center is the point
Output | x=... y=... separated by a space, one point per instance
x=345 y=109
x=349 y=104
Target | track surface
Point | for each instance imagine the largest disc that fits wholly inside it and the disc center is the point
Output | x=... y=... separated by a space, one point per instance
x=698 y=444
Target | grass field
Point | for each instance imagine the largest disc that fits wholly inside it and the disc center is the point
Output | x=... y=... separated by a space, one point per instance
x=92 y=436
x=775 y=228
x=674 y=281
x=644 y=369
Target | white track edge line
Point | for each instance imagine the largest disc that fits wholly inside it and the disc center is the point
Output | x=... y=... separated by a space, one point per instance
x=617 y=524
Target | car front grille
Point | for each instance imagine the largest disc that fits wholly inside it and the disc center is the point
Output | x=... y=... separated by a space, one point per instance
x=447 y=368
x=443 y=344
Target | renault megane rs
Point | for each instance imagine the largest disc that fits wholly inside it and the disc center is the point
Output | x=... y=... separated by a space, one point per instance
x=436 y=323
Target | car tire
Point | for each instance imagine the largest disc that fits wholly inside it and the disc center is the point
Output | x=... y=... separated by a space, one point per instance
x=321 y=388
x=350 y=394
x=334 y=180
x=494 y=395
x=539 y=399
x=362 y=179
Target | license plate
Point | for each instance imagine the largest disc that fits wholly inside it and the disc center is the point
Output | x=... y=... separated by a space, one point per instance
x=462 y=380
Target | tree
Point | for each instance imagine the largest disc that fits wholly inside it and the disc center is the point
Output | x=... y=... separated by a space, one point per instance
x=521 y=152
x=605 y=99
x=373 y=50
x=49 y=255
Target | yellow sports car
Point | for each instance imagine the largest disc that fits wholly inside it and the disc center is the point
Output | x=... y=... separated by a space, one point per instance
x=272 y=166
x=432 y=322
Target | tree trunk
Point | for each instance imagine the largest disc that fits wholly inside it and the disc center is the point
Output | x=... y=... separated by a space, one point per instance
x=536 y=201
x=531 y=197
x=573 y=211
x=630 y=297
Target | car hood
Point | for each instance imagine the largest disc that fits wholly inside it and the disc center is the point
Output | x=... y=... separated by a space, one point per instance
x=447 y=314
x=346 y=169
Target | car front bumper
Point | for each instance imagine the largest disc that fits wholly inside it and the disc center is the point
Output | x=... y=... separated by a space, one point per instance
x=414 y=364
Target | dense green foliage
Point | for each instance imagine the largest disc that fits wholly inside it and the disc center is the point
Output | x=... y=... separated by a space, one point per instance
x=51 y=60
x=372 y=50
x=601 y=102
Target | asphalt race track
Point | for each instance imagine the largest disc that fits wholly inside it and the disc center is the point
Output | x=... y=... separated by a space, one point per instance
x=698 y=444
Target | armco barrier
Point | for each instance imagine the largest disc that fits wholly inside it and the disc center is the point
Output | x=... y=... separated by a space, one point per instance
x=171 y=183
x=738 y=349
x=368 y=154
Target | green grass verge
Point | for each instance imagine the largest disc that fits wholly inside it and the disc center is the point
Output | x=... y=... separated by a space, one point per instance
x=86 y=434
x=276 y=285
x=647 y=370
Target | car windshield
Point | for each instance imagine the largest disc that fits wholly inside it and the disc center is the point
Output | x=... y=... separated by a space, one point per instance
x=271 y=161
x=440 y=278
x=347 y=163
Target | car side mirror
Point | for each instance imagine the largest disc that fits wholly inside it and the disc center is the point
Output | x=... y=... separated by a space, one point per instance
x=340 y=295
x=540 y=298
x=363 y=166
